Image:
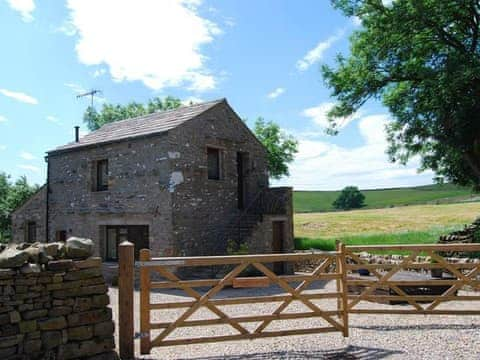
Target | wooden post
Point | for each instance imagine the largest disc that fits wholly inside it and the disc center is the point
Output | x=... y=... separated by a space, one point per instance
x=126 y=263
x=145 y=342
x=343 y=262
x=338 y=269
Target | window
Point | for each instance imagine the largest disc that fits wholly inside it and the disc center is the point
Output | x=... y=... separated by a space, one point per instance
x=213 y=160
x=101 y=183
x=61 y=235
x=31 y=235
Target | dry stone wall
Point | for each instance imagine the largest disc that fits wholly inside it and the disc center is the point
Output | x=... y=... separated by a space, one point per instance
x=54 y=303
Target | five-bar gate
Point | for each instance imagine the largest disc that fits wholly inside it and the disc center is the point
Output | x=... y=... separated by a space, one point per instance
x=312 y=299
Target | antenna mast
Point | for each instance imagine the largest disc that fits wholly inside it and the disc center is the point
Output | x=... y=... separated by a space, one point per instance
x=90 y=93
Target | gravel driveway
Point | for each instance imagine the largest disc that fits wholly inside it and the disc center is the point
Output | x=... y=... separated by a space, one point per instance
x=371 y=336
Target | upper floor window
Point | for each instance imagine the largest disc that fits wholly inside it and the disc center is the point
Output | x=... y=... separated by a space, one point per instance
x=31 y=235
x=213 y=160
x=101 y=181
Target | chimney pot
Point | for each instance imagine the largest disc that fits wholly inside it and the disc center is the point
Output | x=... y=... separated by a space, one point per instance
x=77 y=134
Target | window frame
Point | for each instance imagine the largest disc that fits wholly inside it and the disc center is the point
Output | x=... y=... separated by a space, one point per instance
x=101 y=177
x=218 y=165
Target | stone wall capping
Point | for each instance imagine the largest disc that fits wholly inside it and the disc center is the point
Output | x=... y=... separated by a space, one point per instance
x=54 y=309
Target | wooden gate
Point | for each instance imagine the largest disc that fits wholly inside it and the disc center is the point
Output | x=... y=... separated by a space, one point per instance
x=388 y=283
x=408 y=280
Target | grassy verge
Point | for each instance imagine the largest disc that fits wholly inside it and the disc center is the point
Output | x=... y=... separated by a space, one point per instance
x=401 y=238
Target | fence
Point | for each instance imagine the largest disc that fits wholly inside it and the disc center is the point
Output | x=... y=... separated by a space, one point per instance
x=384 y=285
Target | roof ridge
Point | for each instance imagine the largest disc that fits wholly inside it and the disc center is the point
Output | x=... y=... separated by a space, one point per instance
x=161 y=112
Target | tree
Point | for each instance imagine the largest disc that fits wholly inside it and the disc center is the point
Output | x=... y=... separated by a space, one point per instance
x=12 y=195
x=422 y=59
x=116 y=112
x=281 y=148
x=349 y=198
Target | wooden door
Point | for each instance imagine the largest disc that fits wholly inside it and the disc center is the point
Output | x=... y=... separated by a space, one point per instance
x=136 y=234
x=278 y=236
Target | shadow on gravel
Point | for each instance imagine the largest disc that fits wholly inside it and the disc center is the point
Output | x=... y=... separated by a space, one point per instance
x=348 y=353
x=418 y=327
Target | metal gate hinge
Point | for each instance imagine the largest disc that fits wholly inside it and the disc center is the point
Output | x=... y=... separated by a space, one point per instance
x=140 y=335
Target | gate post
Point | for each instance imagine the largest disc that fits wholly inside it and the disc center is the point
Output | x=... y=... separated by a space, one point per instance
x=145 y=343
x=126 y=264
x=343 y=262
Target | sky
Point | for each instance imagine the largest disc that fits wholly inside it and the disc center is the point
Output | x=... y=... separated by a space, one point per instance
x=263 y=56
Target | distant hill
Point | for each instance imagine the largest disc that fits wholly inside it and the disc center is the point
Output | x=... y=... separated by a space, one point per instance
x=321 y=201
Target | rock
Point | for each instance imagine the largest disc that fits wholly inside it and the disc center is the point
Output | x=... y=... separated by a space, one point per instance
x=27 y=326
x=104 y=329
x=32 y=346
x=54 y=323
x=80 y=333
x=32 y=254
x=23 y=246
x=30 y=269
x=2 y=247
x=51 y=249
x=79 y=248
x=12 y=258
x=51 y=339
x=60 y=265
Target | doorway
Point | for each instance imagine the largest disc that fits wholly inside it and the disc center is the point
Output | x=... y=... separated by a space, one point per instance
x=241 y=192
x=115 y=235
x=278 y=238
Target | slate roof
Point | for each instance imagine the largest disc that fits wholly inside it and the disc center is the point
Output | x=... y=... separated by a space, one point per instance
x=140 y=126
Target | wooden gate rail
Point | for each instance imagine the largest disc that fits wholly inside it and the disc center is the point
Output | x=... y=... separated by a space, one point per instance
x=339 y=266
x=293 y=292
x=462 y=274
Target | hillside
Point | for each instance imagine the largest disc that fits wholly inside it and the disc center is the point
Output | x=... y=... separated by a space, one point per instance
x=321 y=201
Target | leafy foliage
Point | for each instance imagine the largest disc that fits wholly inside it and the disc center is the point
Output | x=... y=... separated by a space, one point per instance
x=422 y=59
x=116 y=112
x=281 y=147
x=349 y=198
x=12 y=195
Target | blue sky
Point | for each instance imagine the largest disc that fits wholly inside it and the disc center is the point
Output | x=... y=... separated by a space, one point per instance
x=263 y=56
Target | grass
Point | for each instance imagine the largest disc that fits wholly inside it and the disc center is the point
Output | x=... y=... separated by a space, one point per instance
x=419 y=224
x=321 y=201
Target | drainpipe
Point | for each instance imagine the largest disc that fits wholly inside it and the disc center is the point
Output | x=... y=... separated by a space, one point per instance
x=46 y=199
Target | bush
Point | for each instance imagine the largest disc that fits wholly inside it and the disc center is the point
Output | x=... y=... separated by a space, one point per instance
x=349 y=198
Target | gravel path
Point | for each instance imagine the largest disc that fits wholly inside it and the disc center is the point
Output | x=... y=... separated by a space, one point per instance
x=371 y=336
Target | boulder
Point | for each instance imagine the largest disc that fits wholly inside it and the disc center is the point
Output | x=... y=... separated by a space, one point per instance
x=11 y=258
x=79 y=248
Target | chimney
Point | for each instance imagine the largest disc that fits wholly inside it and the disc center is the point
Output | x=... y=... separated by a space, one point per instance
x=77 y=134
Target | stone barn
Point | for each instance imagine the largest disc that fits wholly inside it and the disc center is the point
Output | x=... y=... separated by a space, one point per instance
x=180 y=182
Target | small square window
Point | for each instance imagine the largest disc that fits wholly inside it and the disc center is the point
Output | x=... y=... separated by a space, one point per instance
x=213 y=160
x=101 y=178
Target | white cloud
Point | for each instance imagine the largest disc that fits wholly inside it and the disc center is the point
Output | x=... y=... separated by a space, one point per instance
x=19 y=96
x=156 y=42
x=3 y=119
x=3 y=147
x=322 y=165
x=31 y=168
x=276 y=93
x=192 y=99
x=25 y=155
x=24 y=7
x=53 y=119
x=99 y=72
x=316 y=54
x=318 y=114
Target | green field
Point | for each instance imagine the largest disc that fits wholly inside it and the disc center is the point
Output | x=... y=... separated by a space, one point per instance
x=320 y=201
x=417 y=224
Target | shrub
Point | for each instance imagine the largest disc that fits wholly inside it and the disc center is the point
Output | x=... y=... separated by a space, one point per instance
x=349 y=198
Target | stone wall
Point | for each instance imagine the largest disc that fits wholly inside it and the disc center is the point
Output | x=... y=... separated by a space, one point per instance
x=203 y=208
x=33 y=210
x=139 y=175
x=53 y=307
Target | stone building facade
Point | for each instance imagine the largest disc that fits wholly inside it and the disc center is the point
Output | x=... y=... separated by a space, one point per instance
x=181 y=182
